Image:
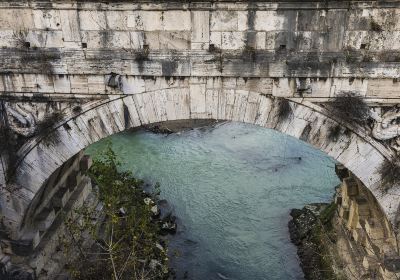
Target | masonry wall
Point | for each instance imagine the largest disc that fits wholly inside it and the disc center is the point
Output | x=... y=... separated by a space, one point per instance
x=311 y=49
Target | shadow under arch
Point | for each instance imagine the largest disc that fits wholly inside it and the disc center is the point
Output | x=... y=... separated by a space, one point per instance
x=308 y=122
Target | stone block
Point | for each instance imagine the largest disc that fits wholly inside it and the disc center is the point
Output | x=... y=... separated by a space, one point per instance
x=92 y=20
x=268 y=21
x=224 y=21
x=351 y=186
x=145 y=20
x=177 y=20
x=71 y=181
x=46 y=19
x=60 y=198
x=232 y=40
x=174 y=40
x=70 y=25
x=45 y=219
x=200 y=27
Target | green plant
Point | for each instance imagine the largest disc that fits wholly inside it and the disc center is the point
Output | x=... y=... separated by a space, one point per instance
x=123 y=241
x=390 y=173
x=350 y=107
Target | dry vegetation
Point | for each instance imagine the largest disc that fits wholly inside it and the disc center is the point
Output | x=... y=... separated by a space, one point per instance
x=350 y=108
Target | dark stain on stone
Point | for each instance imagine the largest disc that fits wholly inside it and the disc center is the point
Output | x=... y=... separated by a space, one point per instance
x=102 y=126
x=306 y=133
x=126 y=116
x=169 y=67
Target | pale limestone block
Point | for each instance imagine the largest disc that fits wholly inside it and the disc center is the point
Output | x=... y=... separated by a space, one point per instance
x=230 y=96
x=296 y=127
x=70 y=25
x=182 y=103
x=261 y=39
x=92 y=20
x=149 y=107
x=45 y=39
x=108 y=39
x=354 y=39
x=117 y=111
x=344 y=85
x=179 y=40
x=79 y=84
x=321 y=88
x=269 y=21
x=73 y=45
x=120 y=39
x=228 y=82
x=133 y=114
x=199 y=46
x=16 y=19
x=152 y=39
x=177 y=21
x=251 y=113
x=136 y=40
x=212 y=96
x=159 y=99
x=385 y=40
x=117 y=20
x=240 y=104
x=200 y=27
x=46 y=19
x=264 y=109
x=222 y=104
x=213 y=83
x=383 y=88
x=9 y=83
x=170 y=105
x=7 y=39
x=62 y=84
x=216 y=39
x=242 y=21
x=132 y=85
x=283 y=87
x=232 y=40
x=45 y=83
x=224 y=21
x=197 y=98
x=96 y=84
x=145 y=20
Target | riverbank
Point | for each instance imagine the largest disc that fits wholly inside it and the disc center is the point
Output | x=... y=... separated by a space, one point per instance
x=349 y=238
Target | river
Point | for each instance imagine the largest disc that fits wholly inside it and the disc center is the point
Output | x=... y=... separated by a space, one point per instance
x=232 y=187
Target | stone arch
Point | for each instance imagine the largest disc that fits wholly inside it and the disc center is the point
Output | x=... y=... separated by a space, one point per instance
x=306 y=121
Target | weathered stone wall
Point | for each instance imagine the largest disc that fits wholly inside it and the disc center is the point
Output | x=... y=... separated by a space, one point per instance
x=366 y=243
x=114 y=66
x=67 y=188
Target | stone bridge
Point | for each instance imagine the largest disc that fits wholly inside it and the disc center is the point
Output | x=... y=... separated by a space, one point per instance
x=90 y=69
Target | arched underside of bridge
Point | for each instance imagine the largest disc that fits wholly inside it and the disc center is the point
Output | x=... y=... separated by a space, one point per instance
x=308 y=122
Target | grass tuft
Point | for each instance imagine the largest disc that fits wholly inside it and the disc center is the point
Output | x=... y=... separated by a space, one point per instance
x=44 y=128
x=284 y=109
x=350 y=108
x=390 y=173
x=334 y=133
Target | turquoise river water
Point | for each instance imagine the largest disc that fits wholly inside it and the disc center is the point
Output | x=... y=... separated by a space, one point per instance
x=232 y=187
